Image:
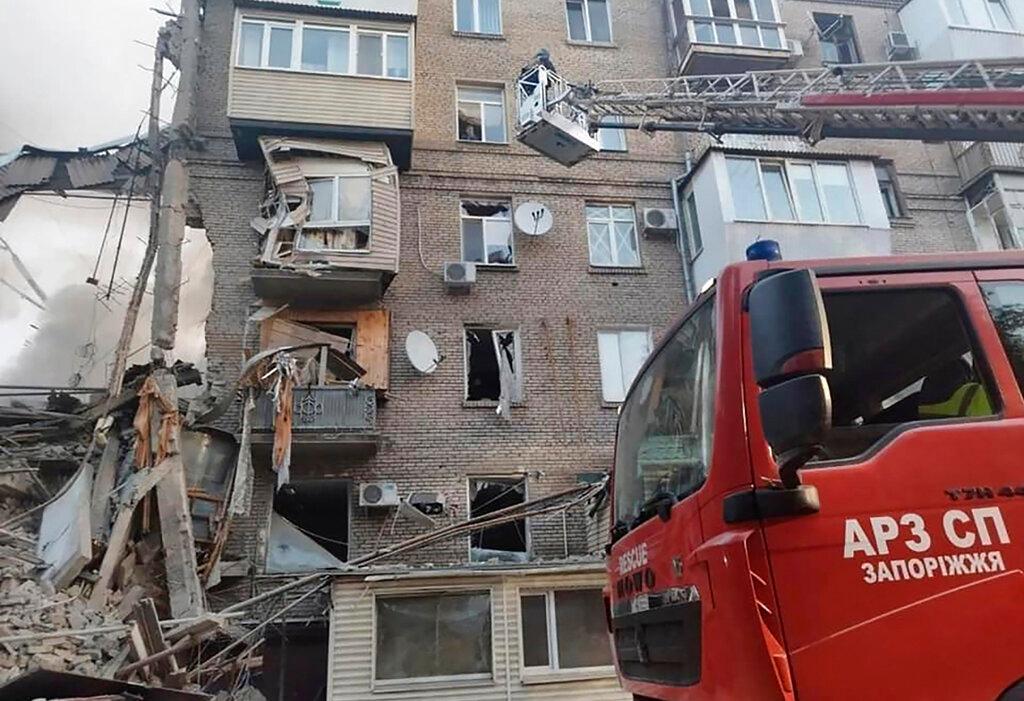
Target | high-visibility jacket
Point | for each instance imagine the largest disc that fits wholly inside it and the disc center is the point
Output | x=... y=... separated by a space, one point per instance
x=969 y=399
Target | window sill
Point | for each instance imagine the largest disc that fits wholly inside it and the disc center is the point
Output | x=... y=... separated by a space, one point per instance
x=858 y=225
x=592 y=44
x=299 y=71
x=568 y=675
x=488 y=404
x=478 y=35
x=611 y=405
x=494 y=267
x=425 y=683
x=503 y=145
x=902 y=223
x=616 y=270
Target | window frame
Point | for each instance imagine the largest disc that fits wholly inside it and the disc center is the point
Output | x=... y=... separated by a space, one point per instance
x=794 y=198
x=735 y=21
x=858 y=55
x=691 y=222
x=519 y=395
x=1015 y=27
x=609 y=206
x=895 y=202
x=586 y=24
x=478 y=678
x=554 y=671
x=618 y=331
x=620 y=134
x=335 y=211
x=513 y=477
x=298 y=27
x=498 y=88
x=476 y=20
x=462 y=231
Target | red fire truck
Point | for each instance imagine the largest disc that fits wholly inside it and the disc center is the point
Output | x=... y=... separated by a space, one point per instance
x=819 y=487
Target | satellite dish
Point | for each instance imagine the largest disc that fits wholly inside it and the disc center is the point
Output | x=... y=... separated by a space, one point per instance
x=533 y=218
x=422 y=352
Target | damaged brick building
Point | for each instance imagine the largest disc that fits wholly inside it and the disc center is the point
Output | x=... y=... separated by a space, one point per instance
x=362 y=190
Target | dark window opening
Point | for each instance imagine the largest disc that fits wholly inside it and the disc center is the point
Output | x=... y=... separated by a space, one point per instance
x=505 y=542
x=890 y=192
x=491 y=361
x=899 y=356
x=295 y=664
x=318 y=510
x=836 y=36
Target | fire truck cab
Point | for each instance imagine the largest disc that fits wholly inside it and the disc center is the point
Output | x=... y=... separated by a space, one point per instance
x=819 y=487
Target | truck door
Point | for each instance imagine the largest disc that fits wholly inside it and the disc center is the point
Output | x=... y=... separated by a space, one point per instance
x=907 y=582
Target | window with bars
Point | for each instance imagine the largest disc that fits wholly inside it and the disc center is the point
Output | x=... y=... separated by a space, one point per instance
x=564 y=629
x=731 y=22
x=315 y=48
x=611 y=235
x=622 y=353
x=487 y=232
x=589 y=20
x=481 y=114
x=812 y=192
x=478 y=16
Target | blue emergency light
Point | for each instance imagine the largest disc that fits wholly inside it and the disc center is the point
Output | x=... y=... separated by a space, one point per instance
x=765 y=249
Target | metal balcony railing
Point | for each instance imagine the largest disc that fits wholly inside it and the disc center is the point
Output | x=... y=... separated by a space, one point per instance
x=324 y=410
x=540 y=90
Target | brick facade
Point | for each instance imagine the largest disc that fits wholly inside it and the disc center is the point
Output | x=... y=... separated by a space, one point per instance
x=558 y=302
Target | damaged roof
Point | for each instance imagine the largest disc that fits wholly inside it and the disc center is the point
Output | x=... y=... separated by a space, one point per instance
x=401 y=8
x=34 y=168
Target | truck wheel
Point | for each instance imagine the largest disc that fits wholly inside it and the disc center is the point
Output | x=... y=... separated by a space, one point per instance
x=1014 y=693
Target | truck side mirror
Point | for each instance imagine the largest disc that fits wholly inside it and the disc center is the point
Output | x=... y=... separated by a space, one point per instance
x=791 y=350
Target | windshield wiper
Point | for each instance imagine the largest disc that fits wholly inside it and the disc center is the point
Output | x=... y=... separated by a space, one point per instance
x=659 y=504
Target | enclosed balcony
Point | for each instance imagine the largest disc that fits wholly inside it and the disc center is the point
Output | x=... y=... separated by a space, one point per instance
x=330 y=225
x=978 y=159
x=339 y=421
x=343 y=70
x=727 y=36
x=954 y=30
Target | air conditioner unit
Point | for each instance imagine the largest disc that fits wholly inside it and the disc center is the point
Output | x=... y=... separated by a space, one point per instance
x=459 y=276
x=659 y=220
x=899 y=47
x=376 y=494
x=796 y=48
x=430 y=503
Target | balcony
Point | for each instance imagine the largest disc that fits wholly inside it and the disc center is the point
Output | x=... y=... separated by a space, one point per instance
x=330 y=233
x=710 y=38
x=975 y=160
x=955 y=30
x=323 y=72
x=335 y=421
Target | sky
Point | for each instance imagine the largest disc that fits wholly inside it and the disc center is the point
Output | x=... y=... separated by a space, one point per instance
x=72 y=73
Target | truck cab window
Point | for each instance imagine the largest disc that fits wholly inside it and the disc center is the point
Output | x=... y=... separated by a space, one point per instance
x=666 y=428
x=1006 y=304
x=899 y=356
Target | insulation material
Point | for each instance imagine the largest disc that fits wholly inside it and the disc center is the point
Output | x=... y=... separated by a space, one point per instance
x=65 y=536
x=504 y=348
x=151 y=400
x=283 y=390
x=241 y=490
x=291 y=550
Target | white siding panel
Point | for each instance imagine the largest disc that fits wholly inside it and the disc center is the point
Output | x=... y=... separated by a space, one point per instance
x=352 y=640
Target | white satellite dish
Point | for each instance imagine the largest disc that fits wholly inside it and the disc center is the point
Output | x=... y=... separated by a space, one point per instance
x=422 y=352
x=533 y=218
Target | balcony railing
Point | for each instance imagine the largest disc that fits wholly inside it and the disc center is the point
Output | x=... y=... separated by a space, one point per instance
x=329 y=410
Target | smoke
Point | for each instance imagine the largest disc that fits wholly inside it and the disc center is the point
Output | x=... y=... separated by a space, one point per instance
x=73 y=340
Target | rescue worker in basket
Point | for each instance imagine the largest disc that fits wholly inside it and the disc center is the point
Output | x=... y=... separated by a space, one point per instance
x=953 y=391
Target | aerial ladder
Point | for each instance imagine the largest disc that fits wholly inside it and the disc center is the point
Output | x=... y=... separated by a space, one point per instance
x=980 y=100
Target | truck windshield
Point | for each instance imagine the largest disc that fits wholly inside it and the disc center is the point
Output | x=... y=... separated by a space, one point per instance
x=665 y=430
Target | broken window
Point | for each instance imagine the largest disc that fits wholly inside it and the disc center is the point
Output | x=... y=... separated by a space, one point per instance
x=309 y=526
x=493 y=368
x=339 y=211
x=334 y=362
x=564 y=629
x=295 y=660
x=481 y=114
x=506 y=542
x=835 y=34
x=447 y=635
x=487 y=232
